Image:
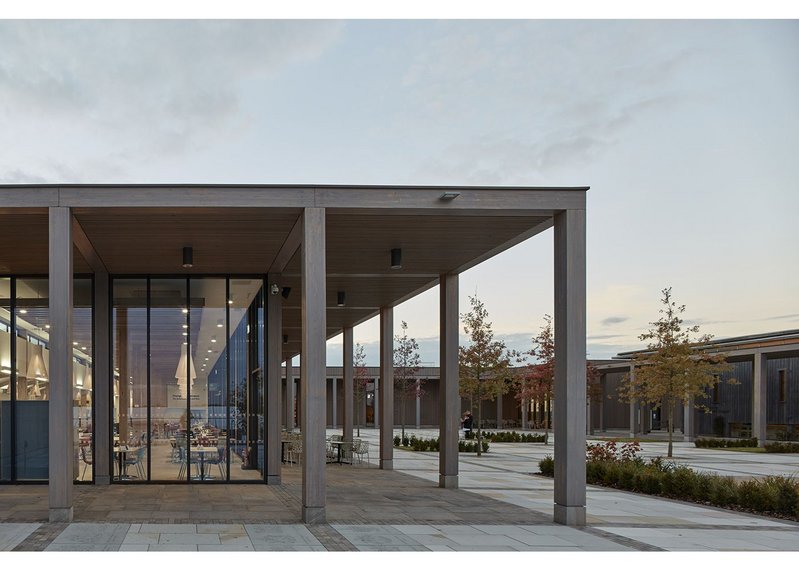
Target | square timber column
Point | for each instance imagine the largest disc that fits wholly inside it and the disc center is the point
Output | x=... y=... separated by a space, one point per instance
x=448 y=393
x=759 y=400
x=570 y=378
x=387 y=388
x=688 y=429
x=61 y=442
x=289 y=418
x=102 y=381
x=313 y=373
x=274 y=346
x=349 y=379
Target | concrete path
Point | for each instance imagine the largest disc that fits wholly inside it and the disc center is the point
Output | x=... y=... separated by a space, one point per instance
x=501 y=506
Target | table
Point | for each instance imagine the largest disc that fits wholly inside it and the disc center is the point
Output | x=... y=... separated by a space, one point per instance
x=202 y=451
x=121 y=454
x=337 y=444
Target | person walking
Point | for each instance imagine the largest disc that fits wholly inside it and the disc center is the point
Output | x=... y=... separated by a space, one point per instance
x=467 y=424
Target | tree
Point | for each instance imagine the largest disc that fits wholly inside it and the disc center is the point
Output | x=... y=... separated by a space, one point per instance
x=485 y=364
x=406 y=364
x=537 y=380
x=673 y=369
x=359 y=382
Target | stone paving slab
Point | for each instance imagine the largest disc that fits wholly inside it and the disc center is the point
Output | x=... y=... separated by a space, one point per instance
x=12 y=534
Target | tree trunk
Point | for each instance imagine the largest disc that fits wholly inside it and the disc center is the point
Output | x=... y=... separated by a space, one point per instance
x=671 y=425
x=546 y=419
x=479 y=415
x=402 y=412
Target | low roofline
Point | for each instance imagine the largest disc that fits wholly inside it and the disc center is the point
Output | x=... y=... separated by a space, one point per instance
x=294 y=185
x=774 y=337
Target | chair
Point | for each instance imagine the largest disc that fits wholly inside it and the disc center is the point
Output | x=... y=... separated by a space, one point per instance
x=361 y=448
x=347 y=449
x=295 y=451
x=180 y=445
x=138 y=461
x=87 y=459
x=220 y=460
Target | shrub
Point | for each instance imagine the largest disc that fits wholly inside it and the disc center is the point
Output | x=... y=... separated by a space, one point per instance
x=547 y=466
x=396 y=441
x=782 y=447
x=723 y=491
x=725 y=443
x=786 y=492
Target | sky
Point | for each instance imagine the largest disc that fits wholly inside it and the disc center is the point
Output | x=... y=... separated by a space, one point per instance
x=686 y=131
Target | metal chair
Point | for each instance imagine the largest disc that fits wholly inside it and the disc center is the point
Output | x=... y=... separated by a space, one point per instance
x=87 y=459
x=361 y=448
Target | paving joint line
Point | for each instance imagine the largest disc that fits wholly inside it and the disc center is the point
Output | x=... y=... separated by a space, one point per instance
x=621 y=540
x=43 y=536
x=330 y=538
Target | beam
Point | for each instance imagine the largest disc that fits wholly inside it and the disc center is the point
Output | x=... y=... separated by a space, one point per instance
x=387 y=388
x=274 y=343
x=570 y=381
x=313 y=367
x=61 y=450
x=288 y=249
x=448 y=390
x=86 y=248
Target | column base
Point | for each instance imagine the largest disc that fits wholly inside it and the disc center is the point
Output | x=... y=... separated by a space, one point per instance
x=102 y=480
x=570 y=515
x=313 y=515
x=449 y=482
x=688 y=438
x=60 y=515
x=273 y=480
x=386 y=464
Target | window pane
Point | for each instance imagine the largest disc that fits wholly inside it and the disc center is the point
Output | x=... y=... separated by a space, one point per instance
x=82 y=378
x=5 y=378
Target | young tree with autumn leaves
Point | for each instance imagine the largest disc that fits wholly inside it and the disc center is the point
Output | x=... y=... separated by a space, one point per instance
x=673 y=370
x=537 y=380
x=406 y=364
x=360 y=381
x=485 y=364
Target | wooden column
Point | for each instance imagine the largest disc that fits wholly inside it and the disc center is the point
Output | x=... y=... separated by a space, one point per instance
x=274 y=346
x=688 y=426
x=349 y=376
x=759 y=400
x=570 y=381
x=387 y=388
x=61 y=441
x=313 y=366
x=525 y=413
x=334 y=398
x=602 y=382
x=448 y=390
x=101 y=379
x=418 y=403
x=290 y=392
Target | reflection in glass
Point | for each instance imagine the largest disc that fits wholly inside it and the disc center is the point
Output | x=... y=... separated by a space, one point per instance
x=82 y=388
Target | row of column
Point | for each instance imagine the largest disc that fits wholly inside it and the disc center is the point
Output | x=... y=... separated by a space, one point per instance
x=569 y=372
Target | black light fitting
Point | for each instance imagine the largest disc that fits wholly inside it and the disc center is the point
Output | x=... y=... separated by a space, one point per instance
x=340 y=299
x=396 y=258
x=285 y=293
x=285 y=339
x=188 y=256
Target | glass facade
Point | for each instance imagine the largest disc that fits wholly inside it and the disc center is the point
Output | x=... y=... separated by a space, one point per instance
x=25 y=381
x=188 y=388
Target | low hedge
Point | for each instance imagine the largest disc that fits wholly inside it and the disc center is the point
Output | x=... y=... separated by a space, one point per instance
x=512 y=436
x=722 y=443
x=433 y=444
x=772 y=495
x=782 y=447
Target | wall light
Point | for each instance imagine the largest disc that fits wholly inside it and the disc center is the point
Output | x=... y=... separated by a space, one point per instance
x=340 y=298
x=396 y=258
x=449 y=196
x=188 y=256
x=286 y=292
x=285 y=339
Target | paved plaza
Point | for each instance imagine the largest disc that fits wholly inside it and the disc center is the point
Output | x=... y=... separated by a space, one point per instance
x=500 y=506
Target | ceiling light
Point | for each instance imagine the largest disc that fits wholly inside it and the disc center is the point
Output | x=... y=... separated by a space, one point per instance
x=188 y=256
x=230 y=302
x=23 y=311
x=75 y=343
x=185 y=326
x=47 y=326
x=219 y=323
x=449 y=196
x=210 y=351
x=213 y=339
x=184 y=310
x=396 y=258
x=340 y=298
x=83 y=348
x=185 y=334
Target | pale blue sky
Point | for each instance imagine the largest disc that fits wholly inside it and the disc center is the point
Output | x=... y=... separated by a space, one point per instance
x=686 y=131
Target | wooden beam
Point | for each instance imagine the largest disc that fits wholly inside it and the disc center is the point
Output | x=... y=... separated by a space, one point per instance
x=86 y=248
x=289 y=248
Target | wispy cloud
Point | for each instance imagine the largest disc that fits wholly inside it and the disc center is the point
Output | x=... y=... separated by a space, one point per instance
x=614 y=319
x=780 y=317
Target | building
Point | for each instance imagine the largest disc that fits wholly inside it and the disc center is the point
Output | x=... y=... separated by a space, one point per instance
x=159 y=317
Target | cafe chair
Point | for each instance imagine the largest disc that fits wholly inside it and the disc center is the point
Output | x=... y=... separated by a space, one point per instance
x=87 y=459
x=138 y=462
x=220 y=459
x=361 y=448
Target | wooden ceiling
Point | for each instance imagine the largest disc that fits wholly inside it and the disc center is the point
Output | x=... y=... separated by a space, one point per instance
x=247 y=241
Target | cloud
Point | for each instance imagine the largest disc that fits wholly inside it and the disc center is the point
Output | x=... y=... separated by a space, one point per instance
x=121 y=92
x=787 y=316
x=614 y=319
